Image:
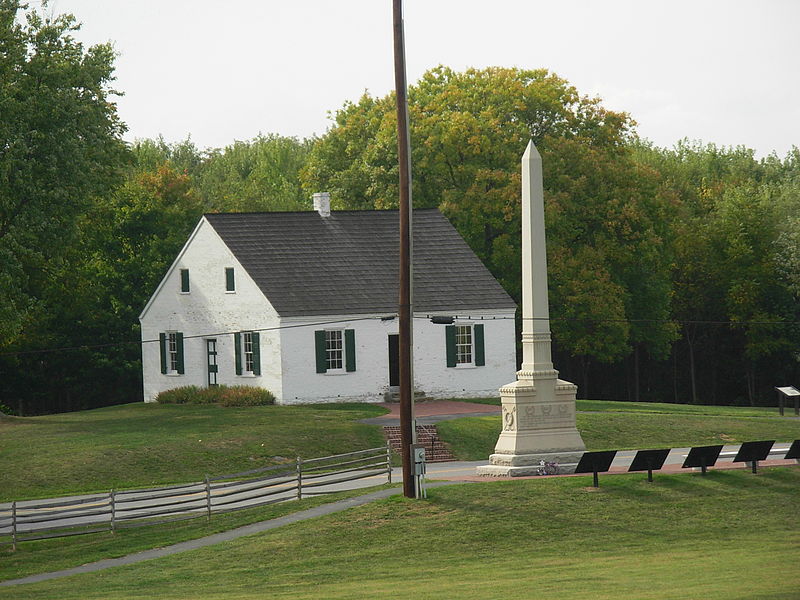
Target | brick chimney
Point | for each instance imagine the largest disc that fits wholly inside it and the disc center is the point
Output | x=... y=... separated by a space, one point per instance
x=322 y=204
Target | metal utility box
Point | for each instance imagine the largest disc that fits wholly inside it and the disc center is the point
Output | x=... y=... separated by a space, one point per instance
x=418 y=459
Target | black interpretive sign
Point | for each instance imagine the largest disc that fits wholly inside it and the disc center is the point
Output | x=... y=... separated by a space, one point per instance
x=649 y=460
x=752 y=452
x=596 y=462
x=703 y=457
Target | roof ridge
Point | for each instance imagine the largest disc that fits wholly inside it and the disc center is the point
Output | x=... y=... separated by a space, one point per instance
x=312 y=211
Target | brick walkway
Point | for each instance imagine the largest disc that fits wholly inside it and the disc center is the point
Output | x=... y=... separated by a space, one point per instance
x=435 y=408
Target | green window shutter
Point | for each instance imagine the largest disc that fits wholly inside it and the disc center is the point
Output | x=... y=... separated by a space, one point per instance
x=256 y=353
x=321 y=354
x=230 y=282
x=480 y=355
x=237 y=351
x=179 y=342
x=162 y=343
x=185 y=280
x=349 y=350
x=450 y=340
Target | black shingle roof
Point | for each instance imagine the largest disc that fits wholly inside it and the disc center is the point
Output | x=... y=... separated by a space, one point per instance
x=347 y=263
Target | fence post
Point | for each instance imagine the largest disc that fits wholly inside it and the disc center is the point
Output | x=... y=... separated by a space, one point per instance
x=389 y=462
x=113 y=512
x=208 y=499
x=14 y=526
x=299 y=478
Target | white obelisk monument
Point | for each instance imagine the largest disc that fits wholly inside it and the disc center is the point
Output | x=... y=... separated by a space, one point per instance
x=538 y=416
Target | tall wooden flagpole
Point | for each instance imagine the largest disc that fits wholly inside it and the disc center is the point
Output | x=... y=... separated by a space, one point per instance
x=407 y=432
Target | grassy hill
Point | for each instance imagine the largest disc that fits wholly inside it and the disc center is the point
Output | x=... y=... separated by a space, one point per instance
x=140 y=445
x=729 y=535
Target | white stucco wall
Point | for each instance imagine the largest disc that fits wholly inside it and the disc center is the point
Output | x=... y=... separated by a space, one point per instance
x=208 y=311
x=301 y=382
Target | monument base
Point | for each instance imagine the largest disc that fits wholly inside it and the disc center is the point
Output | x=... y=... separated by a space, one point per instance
x=523 y=465
x=538 y=419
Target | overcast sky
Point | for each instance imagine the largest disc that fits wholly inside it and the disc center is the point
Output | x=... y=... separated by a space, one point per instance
x=722 y=71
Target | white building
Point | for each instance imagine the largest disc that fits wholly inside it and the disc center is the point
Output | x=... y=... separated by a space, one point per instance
x=304 y=303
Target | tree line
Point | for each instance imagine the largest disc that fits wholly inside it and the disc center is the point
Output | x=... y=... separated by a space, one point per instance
x=674 y=273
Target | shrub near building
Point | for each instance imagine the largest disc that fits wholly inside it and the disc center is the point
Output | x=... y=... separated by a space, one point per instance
x=238 y=395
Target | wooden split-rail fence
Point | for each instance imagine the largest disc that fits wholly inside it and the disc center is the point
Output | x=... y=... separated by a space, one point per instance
x=36 y=520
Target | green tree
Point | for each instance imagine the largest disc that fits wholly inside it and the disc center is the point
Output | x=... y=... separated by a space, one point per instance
x=257 y=175
x=750 y=230
x=184 y=157
x=732 y=244
x=127 y=241
x=60 y=146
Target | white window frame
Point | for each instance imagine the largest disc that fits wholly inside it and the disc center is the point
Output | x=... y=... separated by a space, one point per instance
x=248 y=360
x=188 y=281
x=335 y=351
x=172 y=352
x=465 y=349
x=232 y=270
x=212 y=350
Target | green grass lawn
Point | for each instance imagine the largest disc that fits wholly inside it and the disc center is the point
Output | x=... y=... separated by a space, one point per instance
x=44 y=556
x=729 y=535
x=606 y=425
x=140 y=445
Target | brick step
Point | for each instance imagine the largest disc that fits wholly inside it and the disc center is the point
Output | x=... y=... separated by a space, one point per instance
x=427 y=435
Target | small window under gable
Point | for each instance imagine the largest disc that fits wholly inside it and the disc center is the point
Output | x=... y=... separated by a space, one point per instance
x=230 y=280
x=184 y=281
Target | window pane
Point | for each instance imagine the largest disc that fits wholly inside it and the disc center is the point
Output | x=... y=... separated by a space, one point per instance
x=334 y=346
x=173 y=351
x=463 y=344
x=248 y=351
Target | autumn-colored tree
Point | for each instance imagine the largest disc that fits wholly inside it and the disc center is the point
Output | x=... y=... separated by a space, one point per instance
x=468 y=132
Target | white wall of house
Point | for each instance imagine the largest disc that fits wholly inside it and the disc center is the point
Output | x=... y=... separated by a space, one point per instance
x=432 y=375
x=370 y=380
x=208 y=311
